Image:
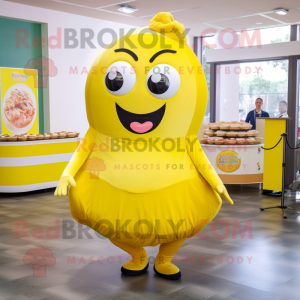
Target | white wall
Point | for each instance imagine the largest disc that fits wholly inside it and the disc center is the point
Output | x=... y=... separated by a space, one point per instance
x=66 y=91
x=227 y=98
x=190 y=41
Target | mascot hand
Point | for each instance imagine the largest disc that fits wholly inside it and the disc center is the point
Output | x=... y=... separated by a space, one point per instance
x=63 y=184
x=221 y=190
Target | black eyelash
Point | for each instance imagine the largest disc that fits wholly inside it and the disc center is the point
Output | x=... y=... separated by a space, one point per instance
x=134 y=56
x=161 y=52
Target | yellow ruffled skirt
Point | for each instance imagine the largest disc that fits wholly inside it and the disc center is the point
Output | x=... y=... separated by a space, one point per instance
x=143 y=219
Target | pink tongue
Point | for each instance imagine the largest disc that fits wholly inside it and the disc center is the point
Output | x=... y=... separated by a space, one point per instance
x=141 y=128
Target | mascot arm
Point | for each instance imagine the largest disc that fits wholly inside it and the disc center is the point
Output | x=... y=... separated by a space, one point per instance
x=205 y=167
x=78 y=159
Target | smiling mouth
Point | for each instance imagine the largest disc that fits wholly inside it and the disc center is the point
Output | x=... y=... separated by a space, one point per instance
x=140 y=123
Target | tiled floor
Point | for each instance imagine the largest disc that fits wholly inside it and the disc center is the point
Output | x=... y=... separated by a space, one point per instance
x=261 y=263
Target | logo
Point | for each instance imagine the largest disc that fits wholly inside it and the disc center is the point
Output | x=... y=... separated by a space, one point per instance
x=228 y=161
x=43 y=67
x=39 y=258
x=19 y=77
x=94 y=166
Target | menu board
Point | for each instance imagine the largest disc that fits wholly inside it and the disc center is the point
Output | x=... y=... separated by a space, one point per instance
x=19 y=101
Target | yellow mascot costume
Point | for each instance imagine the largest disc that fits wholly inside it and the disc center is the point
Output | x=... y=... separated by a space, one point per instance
x=139 y=176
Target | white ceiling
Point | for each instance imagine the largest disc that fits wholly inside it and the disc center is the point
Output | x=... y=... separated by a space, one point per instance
x=194 y=14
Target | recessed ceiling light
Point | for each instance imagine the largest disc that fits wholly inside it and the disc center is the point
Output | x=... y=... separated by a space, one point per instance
x=281 y=11
x=127 y=9
x=258 y=23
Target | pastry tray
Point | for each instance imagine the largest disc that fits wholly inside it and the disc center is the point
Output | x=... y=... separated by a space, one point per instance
x=226 y=136
x=239 y=129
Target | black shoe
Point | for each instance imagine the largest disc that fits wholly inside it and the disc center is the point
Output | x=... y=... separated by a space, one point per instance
x=169 y=277
x=134 y=273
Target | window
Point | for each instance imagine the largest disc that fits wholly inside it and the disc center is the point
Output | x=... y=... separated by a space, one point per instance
x=273 y=35
x=298 y=92
x=238 y=86
x=206 y=69
x=267 y=80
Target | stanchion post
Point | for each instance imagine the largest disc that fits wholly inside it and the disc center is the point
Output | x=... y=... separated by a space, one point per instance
x=282 y=206
x=284 y=136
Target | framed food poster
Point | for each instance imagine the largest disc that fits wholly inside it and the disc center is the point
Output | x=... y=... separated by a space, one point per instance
x=19 y=101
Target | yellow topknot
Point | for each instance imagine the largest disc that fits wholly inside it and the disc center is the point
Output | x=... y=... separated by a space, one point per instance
x=165 y=24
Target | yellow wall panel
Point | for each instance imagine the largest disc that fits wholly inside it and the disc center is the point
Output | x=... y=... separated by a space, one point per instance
x=31 y=174
x=35 y=150
x=273 y=158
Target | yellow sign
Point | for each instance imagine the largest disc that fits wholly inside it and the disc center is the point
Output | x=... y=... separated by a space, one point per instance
x=273 y=158
x=19 y=101
x=228 y=161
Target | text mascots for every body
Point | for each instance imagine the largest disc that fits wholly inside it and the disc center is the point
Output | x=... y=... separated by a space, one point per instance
x=139 y=177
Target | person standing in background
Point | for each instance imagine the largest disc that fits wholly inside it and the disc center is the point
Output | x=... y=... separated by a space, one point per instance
x=255 y=113
x=283 y=110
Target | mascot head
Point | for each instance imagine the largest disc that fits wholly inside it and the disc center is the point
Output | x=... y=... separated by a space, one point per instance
x=149 y=84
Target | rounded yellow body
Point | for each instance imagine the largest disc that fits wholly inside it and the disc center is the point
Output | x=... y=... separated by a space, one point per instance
x=141 y=176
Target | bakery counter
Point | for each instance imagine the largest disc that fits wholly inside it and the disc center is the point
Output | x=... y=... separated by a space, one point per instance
x=33 y=165
x=237 y=164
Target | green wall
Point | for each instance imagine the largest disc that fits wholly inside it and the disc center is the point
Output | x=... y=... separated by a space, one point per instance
x=12 y=57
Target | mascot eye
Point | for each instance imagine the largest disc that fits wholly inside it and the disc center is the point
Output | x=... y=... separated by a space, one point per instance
x=114 y=81
x=120 y=78
x=163 y=81
x=158 y=83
